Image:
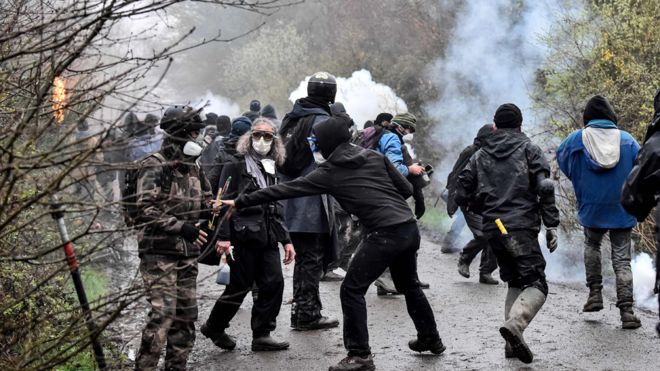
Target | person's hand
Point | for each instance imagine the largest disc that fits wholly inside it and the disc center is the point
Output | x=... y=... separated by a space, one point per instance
x=192 y=233
x=289 y=253
x=229 y=203
x=222 y=247
x=415 y=169
x=551 y=239
x=201 y=238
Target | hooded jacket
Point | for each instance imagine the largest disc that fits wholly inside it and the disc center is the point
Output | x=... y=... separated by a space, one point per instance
x=461 y=163
x=500 y=179
x=597 y=160
x=364 y=183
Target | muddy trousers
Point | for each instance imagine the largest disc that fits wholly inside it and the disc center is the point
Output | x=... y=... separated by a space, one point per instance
x=310 y=252
x=394 y=247
x=620 y=240
x=520 y=259
x=171 y=284
x=479 y=244
x=251 y=265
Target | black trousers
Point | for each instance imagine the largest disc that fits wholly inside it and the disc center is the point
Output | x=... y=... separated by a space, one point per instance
x=394 y=247
x=478 y=244
x=520 y=259
x=310 y=253
x=251 y=265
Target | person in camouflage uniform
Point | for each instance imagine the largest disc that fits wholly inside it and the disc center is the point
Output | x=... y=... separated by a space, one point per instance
x=172 y=194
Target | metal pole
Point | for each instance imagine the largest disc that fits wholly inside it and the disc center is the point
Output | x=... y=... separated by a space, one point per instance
x=58 y=214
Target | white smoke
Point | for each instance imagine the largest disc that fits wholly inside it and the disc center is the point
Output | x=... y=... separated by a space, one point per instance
x=217 y=104
x=362 y=97
x=644 y=281
x=492 y=59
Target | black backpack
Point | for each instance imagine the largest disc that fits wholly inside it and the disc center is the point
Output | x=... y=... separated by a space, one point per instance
x=129 y=189
x=294 y=134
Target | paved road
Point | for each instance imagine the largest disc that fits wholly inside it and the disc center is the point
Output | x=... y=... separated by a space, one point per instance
x=468 y=316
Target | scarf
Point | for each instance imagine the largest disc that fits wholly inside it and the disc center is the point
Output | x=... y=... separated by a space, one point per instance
x=255 y=171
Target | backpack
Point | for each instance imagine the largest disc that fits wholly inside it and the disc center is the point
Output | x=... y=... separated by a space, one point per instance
x=129 y=189
x=369 y=137
x=294 y=133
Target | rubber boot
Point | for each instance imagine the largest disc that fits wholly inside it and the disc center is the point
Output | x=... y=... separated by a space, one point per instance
x=511 y=296
x=595 y=300
x=629 y=320
x=523 y=310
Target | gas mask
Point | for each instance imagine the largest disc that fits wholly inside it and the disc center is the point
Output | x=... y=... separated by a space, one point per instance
x=262 y=146
x=192 y=149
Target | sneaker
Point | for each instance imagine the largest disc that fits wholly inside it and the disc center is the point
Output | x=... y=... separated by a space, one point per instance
x=487 y=279
x=220 y=339
x=268 y=344
x=355 y=363
x=318 y=324
x=434 y=346
x=332 y=277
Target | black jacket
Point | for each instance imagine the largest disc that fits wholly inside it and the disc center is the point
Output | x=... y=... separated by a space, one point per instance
x=641 y=191
x=500 y=181
x=364 y=182
x=226 y=153
x=267 y=217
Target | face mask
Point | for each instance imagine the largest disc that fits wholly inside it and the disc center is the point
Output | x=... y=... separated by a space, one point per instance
x=318 y=158
x=269 y=165
x=408 y=138
x=261 y=146
x=192 y=149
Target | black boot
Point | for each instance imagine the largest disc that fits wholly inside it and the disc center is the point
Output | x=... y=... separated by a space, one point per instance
x=219 y=338
x=487 y=279
x=629 y=320
x=463 y=269
x=355 y=363
x=434 y=346
x=423 y=285
x=595 y=299
x=318 y=324
x=266 y=343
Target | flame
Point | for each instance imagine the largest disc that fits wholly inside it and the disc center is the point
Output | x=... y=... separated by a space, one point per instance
x=59 y=98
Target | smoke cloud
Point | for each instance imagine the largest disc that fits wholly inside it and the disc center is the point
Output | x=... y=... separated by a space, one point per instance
x=217 y=104
x=362 y=97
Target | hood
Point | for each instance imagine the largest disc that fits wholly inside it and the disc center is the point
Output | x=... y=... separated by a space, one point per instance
x=485 y=131
x=309 y=106
x=349 y=156
x=599 y=108
x=331 y=133
x=230 y=145
x=269 y=112
x=603 y=146
x=504 y=142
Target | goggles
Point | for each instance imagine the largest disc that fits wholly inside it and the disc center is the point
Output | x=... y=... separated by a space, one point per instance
x=267 y=136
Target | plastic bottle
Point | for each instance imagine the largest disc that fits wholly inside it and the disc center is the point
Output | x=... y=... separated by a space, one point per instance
x=224 y=273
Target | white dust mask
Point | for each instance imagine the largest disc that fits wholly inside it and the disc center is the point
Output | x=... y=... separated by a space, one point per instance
x=192 y=149
x=262 y=146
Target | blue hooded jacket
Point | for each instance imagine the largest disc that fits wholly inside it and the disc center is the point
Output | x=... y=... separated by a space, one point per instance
x=598 y=189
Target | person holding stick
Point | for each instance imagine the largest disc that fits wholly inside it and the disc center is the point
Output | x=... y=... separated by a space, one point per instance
x=254 y=234
x=366 y=184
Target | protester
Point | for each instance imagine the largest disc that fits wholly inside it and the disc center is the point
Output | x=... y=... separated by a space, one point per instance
x=269 y=112
x=254 y=234
x=214 y=157
x=223 y=123
x=143 y=140
x=310 y=219
x=474 y=221
x=255 y=109
x=172 y=196
x=641 y=192
x=520 y=199
x=377 y=198
x=597 y=160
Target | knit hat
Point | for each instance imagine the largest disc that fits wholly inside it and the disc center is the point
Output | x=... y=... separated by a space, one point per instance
x=508 y=115
x=269 y=112
x=240 y=126
x=406 y=120
x=598 y=107
x=255 y=106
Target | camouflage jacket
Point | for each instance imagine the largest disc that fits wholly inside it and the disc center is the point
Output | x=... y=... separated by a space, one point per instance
x=168 y=198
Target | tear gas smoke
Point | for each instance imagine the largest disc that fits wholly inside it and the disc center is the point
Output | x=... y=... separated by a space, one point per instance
x=362 y=97
x=217 y=104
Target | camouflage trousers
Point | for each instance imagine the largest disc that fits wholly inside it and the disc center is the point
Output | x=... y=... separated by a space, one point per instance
x=171 y=284
x=620 y=241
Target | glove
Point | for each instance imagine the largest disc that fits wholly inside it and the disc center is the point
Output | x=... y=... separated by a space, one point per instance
x=551 y=239
x=420 y=209
x=189 y=232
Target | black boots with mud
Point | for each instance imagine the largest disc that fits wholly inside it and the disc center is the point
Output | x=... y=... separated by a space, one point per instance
x=522 y=311
x=355 y=363
x=434 y=346
x=628 y=319
x=595 y=300
x=487 y=279
x=318 y=324
x=220 y=339
x=266 y=343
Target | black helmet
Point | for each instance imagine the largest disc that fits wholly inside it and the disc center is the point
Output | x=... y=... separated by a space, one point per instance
x=322 y=85
x=179 y=120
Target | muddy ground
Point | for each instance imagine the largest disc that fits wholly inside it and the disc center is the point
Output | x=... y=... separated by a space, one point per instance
x=468 y=316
